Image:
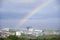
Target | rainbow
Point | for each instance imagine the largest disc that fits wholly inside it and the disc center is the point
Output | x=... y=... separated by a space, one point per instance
x=22 y=21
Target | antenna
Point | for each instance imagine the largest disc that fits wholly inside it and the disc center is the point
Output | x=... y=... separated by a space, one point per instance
x=28 y=27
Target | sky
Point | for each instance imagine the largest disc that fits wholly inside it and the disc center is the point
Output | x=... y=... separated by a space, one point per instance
x=12 y=11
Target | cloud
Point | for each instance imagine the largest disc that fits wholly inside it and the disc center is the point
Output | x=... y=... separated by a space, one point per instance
x=22 y=1
x=26 y=1
x=19 y=6
x=13 y=10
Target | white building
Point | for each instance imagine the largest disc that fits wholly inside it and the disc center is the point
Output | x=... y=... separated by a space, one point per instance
x=18 y=33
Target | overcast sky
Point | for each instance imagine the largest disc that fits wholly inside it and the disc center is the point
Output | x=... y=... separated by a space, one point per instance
x=11 y=11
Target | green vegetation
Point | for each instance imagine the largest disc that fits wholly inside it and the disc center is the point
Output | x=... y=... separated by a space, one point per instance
x=44 y=37
x=49 y=37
